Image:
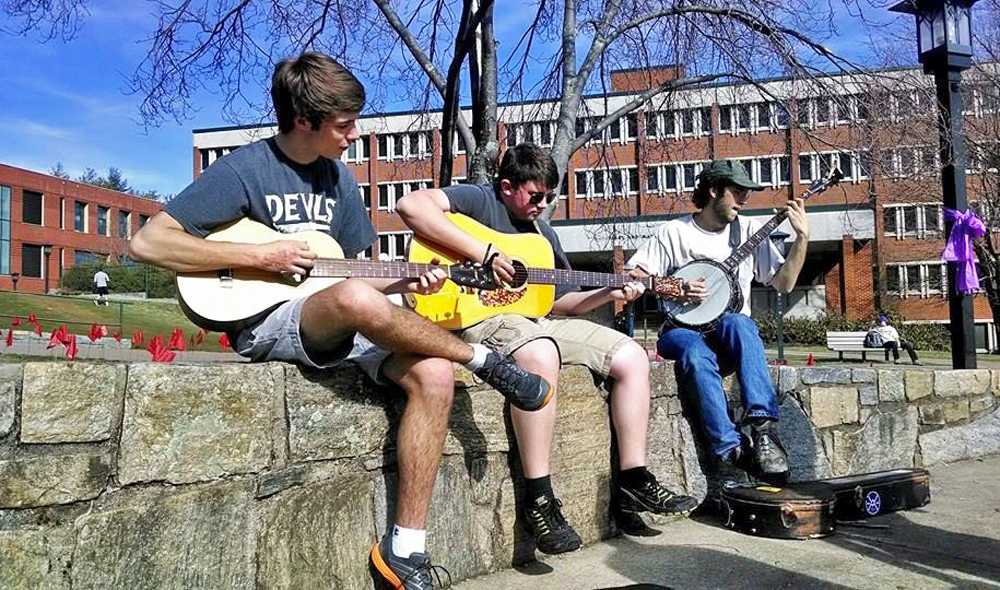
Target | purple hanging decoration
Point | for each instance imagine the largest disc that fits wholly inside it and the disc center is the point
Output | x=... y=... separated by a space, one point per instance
x=967 y=227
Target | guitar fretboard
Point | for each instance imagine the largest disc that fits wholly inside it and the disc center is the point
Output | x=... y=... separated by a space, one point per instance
x=396 y=269
x=555 y=276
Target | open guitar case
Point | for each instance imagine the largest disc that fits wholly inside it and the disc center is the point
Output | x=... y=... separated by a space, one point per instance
x=812 y=509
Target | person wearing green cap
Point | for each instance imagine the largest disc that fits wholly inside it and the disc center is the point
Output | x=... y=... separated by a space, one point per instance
x=723 y=189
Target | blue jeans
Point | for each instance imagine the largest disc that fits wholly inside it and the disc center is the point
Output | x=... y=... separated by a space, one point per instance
x=701 y=361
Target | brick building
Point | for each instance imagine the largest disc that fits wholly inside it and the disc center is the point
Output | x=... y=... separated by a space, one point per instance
x=876 y=237
x=48 y=224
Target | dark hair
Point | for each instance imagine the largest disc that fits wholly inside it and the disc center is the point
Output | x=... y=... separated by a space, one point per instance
x=526 y=162
x=701 y=196
x=314 y=86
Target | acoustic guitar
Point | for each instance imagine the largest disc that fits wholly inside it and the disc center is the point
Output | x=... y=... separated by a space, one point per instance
x=224 y=300
x=533 y=290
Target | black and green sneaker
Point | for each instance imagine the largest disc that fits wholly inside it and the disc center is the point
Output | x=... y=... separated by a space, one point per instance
x=545 y=521
x=650 y=496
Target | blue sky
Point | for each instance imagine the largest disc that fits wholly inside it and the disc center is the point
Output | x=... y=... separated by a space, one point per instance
x=65 y=101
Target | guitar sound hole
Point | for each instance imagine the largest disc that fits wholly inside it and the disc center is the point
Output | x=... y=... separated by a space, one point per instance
x=520 y=276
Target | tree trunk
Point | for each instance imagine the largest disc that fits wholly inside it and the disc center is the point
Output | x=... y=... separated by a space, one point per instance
x=483 y=164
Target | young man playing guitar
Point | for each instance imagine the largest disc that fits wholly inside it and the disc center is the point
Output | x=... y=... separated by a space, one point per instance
x=295 y=182
x=523 y=189
x=734 y=343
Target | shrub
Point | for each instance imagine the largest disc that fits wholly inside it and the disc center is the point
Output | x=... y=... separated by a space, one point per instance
x=813 y=331
x=122 y=279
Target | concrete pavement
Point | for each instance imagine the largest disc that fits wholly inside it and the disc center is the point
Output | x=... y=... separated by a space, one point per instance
x=954 y=542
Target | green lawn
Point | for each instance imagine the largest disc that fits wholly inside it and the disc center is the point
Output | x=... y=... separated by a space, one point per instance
x=151 y=317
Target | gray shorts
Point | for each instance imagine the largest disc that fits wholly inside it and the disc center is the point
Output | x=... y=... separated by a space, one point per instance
x=277 y=338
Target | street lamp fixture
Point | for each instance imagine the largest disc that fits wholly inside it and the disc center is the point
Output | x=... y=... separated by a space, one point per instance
x=944 y=47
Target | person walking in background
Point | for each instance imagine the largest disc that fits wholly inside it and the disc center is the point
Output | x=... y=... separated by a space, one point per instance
x=892 y=342
x=101 y=279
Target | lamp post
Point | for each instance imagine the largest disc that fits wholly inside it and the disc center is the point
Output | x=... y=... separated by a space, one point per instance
x=779 y=238
x=944 y=45
x=46 y=251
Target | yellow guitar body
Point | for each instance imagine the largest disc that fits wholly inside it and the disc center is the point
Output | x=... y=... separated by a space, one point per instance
x=455 y=307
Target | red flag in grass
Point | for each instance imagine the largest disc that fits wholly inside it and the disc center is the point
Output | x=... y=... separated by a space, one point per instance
x=137 y=338
x=38 y=328
x=95 y=332
x=71 y=347
x=117 y=336
x=59 y=336
x=158 y=352
x=32 y=318
x=15 y=322
x=176 y=340
x=200 y=336
x=224 y=342
x=10 y=337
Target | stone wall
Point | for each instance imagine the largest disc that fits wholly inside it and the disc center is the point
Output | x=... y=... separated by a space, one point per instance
x=265 y=476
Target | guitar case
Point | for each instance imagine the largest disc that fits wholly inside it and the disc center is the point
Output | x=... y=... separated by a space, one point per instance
x=809 y=510
x=799 y=511
x=870 y=494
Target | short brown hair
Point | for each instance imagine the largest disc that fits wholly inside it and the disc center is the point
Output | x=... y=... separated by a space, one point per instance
x=314 y=86
x=526 y=162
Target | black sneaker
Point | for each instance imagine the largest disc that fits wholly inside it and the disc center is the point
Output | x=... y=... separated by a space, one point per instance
x=653 y=497
x=390 y=572
x=769 y=456
x=522 y=389
x=729 y=470
x=545 y=521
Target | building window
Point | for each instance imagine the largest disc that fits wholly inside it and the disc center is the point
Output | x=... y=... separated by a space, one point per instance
x=804 y=110
x=389 y=193
x=805 y=168
x=5 y=224
x=31 y=210
x=80 y=216
x=766 y=171
x=631 y=127
x=916 y=279
x=392 y=246
x=102 y=220
x=726 y=113
x=822 y=113
x=784 y=170
x=366 y=195
x=143 y=219
x=689 y=176
x=31 y=261
x=124 y=224
x=779 y=116
x=62 y=213
x=921 y=221
x=358 y=151
x=652 y=125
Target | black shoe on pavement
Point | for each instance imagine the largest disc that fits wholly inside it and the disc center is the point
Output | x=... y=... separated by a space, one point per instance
x=730 y=470
x=396 y=573
x=653 y=497
x=545 y=521
x=522 y=389
x=769 y=456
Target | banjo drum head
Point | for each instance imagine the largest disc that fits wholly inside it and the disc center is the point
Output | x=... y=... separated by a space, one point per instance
x=713 y=306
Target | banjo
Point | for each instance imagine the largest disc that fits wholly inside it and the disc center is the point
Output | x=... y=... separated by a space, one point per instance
x=722 y=278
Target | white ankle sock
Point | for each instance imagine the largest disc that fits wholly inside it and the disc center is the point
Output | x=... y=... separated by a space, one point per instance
x=479 y=353
x=408 y=541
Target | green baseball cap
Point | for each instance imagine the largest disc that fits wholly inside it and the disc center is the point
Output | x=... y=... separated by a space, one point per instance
x=730 y=170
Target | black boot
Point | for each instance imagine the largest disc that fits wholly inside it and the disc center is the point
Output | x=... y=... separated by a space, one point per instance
x=769 y=457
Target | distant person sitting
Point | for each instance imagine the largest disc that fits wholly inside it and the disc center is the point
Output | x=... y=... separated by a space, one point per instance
x=892 y=342
x=101 y=287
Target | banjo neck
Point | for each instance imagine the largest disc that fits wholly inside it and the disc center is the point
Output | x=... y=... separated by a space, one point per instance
x=746 y=248
x=558 y=276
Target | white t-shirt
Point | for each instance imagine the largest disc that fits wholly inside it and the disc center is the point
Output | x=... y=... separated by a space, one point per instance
x=681 y=240
x=101 y=278
x=889 y=334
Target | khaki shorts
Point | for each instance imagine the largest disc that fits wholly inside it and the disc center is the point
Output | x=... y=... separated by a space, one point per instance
x=580 y=342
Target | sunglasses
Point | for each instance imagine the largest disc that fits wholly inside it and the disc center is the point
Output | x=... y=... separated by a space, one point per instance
x=539 y=196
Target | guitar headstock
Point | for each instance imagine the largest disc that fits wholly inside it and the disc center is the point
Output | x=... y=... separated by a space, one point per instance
x=821 y=184
x=473 y=274
x=668 y=287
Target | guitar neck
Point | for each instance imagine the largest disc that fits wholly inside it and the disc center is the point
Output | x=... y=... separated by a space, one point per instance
x=556 y=276
x=371 y=269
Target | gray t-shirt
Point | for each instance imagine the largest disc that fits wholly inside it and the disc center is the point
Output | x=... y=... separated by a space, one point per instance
x=258 y=181
x=480 y=202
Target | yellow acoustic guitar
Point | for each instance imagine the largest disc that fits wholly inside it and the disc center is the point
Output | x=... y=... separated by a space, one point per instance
x=226 y=299
x=532 y=292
